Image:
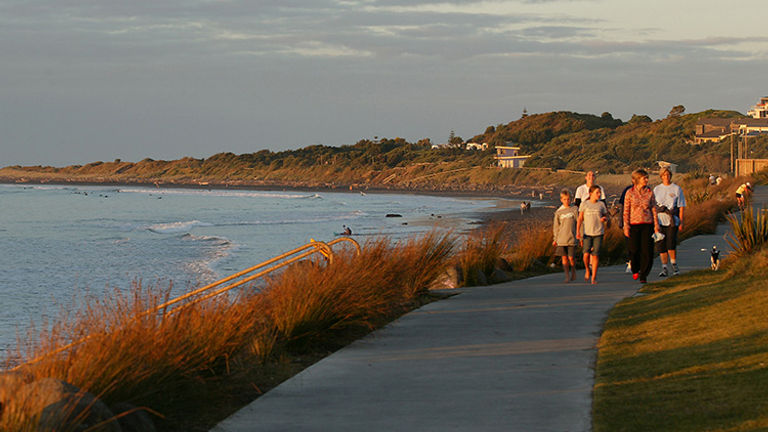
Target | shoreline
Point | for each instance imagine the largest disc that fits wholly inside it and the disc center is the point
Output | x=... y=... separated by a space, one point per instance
x=516 y=191
x=483 y=218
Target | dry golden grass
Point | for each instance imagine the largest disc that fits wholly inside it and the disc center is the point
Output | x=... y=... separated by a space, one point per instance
x=532 y=243
x=144 y=358
x=481 y=250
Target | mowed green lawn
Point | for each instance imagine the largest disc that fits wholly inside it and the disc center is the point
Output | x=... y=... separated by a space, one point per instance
x=690 y=355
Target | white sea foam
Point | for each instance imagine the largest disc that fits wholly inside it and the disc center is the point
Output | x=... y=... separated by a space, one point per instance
x=217 y=192
x=208 y=239
x=313 y=220
x=175 y=227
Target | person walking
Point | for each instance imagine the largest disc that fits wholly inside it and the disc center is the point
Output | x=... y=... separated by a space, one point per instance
x=670 y=202
x=582 y=192
x=621 y=226
x=564 y=233
x=593 y=216
x=640 y=221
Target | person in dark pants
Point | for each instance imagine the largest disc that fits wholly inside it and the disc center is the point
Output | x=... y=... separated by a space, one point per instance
x=621 y=226
x=640 y=222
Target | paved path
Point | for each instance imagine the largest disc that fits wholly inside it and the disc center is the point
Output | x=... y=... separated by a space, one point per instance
x=517 y=356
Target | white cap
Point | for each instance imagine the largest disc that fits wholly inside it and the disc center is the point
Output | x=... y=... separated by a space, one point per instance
x=749 y=184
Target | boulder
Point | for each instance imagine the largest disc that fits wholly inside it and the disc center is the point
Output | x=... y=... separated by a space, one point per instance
x=503 y=264
x=498 y=276
x=57 y=405
x=10 y=383
x=480 y=277
x=450 y=279
x=133 y=419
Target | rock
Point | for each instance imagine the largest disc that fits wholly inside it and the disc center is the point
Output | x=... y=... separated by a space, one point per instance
x=503 y=264
x=137 y=420
x=480 y=278
x=79 y=411
x=10 y=383
x=61 y=406
x=394 y=215
x=450 y=279
x=498 y=276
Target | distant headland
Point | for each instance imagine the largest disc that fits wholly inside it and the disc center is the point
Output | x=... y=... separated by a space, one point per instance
x=557 y=147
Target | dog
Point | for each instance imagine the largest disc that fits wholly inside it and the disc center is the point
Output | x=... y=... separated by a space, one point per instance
x=714 y=258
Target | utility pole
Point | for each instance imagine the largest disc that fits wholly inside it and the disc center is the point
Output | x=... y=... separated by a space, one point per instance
x=733 y=137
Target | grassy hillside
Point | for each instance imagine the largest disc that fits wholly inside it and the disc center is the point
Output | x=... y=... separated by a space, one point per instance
x=557 y=140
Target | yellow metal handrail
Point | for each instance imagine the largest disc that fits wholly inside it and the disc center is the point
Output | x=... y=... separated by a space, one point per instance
x=314 y=246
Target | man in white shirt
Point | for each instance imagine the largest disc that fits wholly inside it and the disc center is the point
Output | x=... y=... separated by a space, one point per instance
x=582 y=192
x=670 y=203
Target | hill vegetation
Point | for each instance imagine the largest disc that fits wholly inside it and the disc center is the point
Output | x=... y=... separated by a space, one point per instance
x=556 y=141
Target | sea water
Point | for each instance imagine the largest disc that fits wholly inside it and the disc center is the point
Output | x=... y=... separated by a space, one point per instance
x=59 y=241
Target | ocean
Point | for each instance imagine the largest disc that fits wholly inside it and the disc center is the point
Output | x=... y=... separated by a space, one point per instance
x=60 y=242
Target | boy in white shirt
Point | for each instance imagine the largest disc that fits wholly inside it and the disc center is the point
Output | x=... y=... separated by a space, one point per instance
x=564 y=232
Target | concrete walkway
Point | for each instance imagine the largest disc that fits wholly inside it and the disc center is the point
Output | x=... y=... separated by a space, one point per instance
x=516 y=356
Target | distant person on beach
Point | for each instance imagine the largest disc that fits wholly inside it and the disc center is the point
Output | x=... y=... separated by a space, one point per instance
x=712 y=179
x=742 y=194
x=347 y=230
x=593 y=217
x=670 y=203
x=582 y=192
x=523 y=207
x=564 y=232
x=621 y=226
x=640 y=221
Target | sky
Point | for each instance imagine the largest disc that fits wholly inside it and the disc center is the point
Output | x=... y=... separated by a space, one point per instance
x=97 y=80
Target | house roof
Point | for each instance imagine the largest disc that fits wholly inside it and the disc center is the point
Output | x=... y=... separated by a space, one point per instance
x=712 y=134
x=753 y=122
x=716 y=121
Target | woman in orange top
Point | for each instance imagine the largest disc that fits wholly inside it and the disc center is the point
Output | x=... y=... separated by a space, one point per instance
x=640 y=223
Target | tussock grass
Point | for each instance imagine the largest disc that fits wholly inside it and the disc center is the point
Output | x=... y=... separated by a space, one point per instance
x=690 y=355
x=750 y=230
x=481 y=250
x=156 y=359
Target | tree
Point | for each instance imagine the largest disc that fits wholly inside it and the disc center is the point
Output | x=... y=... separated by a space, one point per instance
x=454 y=140
x=425 y=142
x=676 y=111
x=637 y=118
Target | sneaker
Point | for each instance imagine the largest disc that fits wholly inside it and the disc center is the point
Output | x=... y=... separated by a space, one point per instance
x=664 y=272
x=635 y=276
x=675 y=270
x=629 y=268
x=643 y=281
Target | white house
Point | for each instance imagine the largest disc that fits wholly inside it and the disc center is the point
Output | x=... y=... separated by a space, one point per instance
x=509 y=157
x=759 y=111
x=477 y=146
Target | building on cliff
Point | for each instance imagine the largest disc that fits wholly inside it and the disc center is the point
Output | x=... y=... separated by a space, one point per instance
x=509 y=157
x=760 y=110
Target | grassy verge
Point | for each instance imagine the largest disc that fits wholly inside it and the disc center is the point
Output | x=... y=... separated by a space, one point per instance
x=691 y=355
